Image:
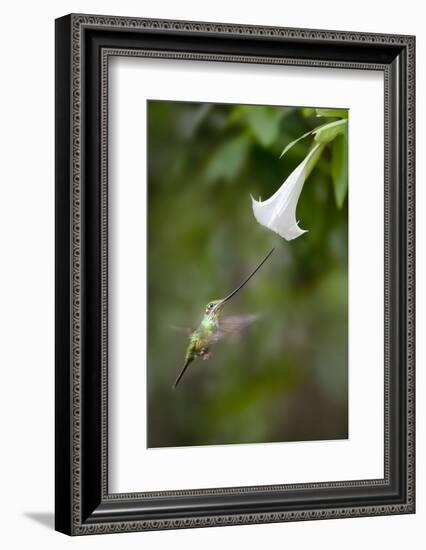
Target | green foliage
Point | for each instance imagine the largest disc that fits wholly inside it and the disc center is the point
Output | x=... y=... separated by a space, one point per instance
x=286 y=379
x=339 y=168
x=326 y=134
x=334 y=113
x=264 y=123
x=293 y=143
x=228 y=159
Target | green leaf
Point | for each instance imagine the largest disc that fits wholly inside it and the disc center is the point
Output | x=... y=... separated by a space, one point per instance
x=313 y=160
x=308 y=111
x=228 y=159
x=336 y=113
x=194 y=119
x=327 y=132
x=339 y=168
x=265 y=123
x=323 y=134
x=292 y=143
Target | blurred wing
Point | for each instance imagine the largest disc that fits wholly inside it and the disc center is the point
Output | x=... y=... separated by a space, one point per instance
x=185 y=330
x=234 y=325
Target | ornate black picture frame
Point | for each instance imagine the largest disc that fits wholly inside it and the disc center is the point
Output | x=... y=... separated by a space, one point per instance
x=84 y=44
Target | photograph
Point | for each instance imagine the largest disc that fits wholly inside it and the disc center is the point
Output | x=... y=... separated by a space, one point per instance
x=247 y=287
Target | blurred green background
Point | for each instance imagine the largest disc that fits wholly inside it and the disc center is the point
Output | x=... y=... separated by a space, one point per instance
x=286 y=378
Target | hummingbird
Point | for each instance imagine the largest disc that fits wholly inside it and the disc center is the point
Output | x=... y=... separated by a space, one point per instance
x=213 y=327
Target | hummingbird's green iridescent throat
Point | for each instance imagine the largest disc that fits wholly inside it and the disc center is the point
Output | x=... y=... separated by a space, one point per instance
x=213 y=327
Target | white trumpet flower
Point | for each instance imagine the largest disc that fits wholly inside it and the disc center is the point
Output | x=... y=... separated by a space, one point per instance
x=278 y=213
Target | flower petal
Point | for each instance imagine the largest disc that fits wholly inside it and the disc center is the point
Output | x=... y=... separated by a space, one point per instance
x=278 y=213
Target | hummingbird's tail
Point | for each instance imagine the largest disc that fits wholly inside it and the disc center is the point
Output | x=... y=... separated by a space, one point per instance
x=182 y=372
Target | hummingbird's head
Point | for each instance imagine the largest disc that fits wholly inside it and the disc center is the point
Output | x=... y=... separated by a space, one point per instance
x=214 y=307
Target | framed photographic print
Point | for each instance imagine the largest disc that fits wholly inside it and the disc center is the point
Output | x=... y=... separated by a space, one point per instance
x=234 y=274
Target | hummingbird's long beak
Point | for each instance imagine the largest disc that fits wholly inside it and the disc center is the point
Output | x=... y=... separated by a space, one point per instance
x=220 y=304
